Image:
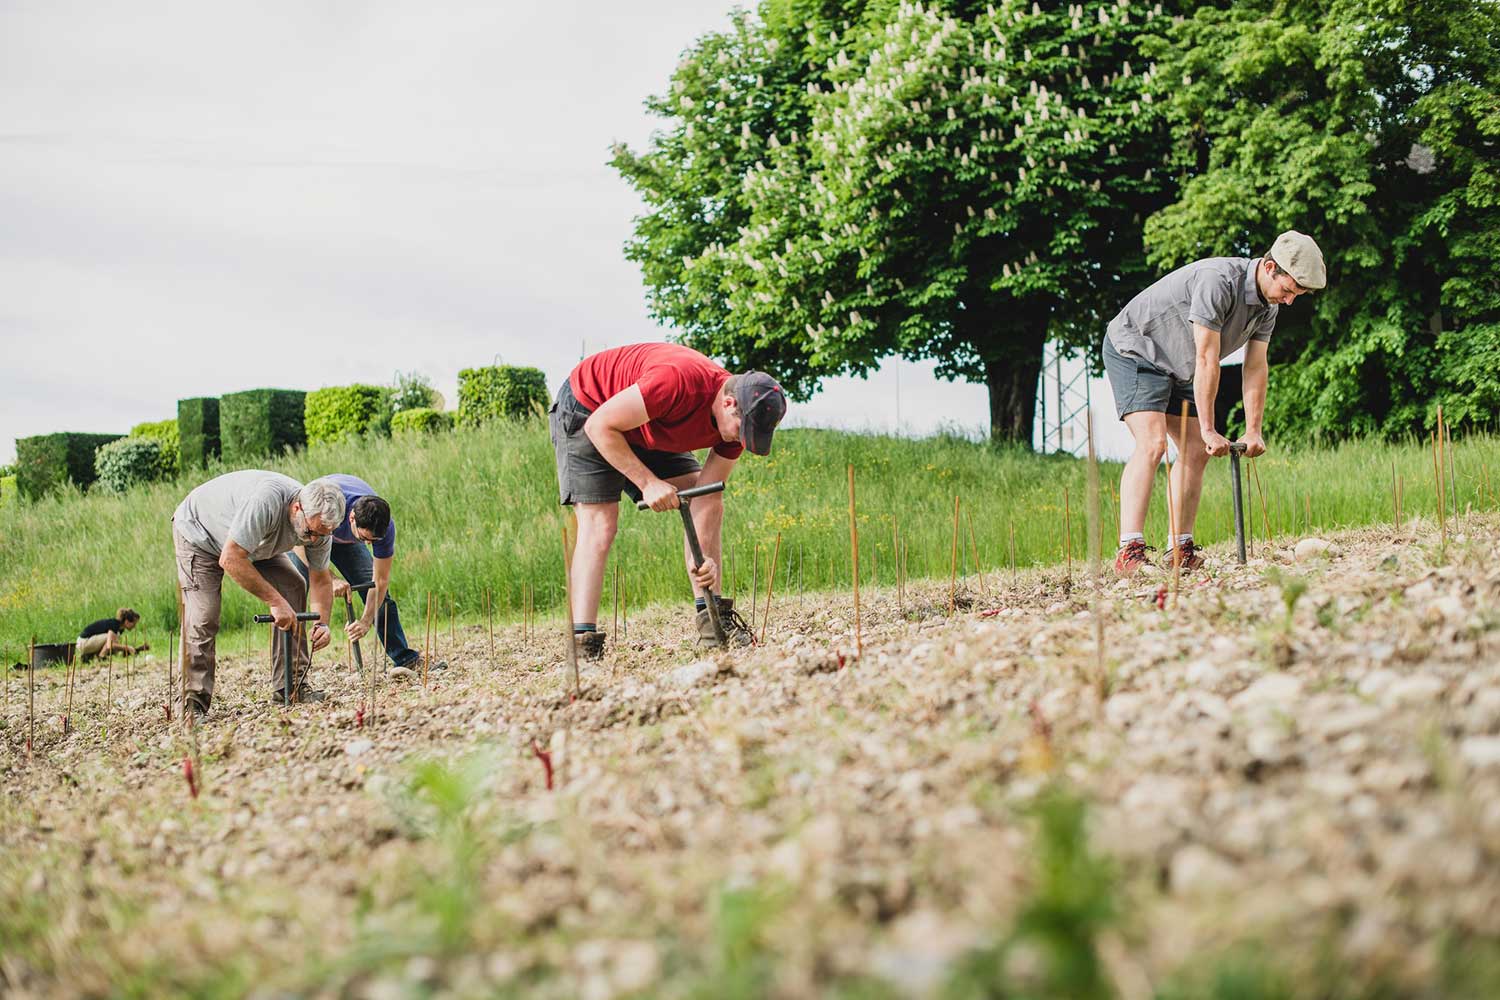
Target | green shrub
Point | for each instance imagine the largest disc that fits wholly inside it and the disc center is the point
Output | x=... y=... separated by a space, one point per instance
x=500 y=391
x=198 y=432
x=260 y=422
x=414 y=391
x=125 y=463
x=421 y=419
x=48 y=461
x=164 y=431
x=338 y=412
x=7 y=490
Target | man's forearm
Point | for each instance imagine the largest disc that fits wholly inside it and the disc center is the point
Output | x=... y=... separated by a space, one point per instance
x=617 y=452
x=1255 y=399
x=375 y=596
x=1205 y=392
x=243 y=572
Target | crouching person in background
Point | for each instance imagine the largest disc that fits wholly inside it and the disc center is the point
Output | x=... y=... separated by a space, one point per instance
x=106 y=637
x=245 y=524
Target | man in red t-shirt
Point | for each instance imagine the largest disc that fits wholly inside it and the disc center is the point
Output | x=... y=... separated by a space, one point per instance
x=629 y=419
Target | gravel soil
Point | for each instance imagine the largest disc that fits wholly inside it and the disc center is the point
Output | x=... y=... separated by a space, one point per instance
x=1298 y=758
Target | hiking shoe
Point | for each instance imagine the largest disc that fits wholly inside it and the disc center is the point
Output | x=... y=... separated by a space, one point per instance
x=1191 y=554
x=589 y=645
x=1132 y=556
x=195 y=713
x=299 y=697
x=736 y=630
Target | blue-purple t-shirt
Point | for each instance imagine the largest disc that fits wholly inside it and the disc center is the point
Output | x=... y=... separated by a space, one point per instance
x=353 y=488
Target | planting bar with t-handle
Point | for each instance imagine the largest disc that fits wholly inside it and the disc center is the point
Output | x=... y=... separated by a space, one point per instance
x=1237 y=493
x=684 y=505
x=288 y=648
x=359 y=659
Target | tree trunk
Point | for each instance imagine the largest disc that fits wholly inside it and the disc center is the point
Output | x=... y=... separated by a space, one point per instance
x=1012 y=381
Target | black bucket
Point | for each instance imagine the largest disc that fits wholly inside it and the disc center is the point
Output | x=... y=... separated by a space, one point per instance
x=46 y=654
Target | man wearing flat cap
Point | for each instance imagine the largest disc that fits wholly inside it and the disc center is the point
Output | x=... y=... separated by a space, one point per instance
x=628 y=420
x=1164 y=349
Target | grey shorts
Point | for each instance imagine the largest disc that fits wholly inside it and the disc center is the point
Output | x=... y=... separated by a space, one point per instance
x=1139 y=385
x=584 y=475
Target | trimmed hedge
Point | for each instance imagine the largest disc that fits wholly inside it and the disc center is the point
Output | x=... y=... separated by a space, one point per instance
x=197 y=432
x=164 y=431
x=500 y=391
x=48 y=461
x=342 y=411
x=421 y=419
x=260 y=422
x=125 y=463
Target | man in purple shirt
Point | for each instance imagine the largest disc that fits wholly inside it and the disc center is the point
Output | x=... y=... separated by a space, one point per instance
x=368 y=524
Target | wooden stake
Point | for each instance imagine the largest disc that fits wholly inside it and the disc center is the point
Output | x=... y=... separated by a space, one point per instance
x=1395 y=500
x=1452 y=468
x=1437 y=475
x=953 y=564
x=1068 y=534
x=974 y=551
x=70 y=667
x=182 y=652
x=900 y=576
x=30 y=697
x=754 y=579
x=1260 y=491
x=1094 y=523
x=567 y=544
x=452 y=623
x=854 y=564
x=170 y=646
x=1172 y=531
x=1011 y=524
x=1307 y=512
x=770 y=588
x=489 y=617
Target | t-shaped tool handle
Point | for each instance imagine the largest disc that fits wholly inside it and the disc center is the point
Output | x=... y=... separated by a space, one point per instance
x=288 y=649
x=686 y=496
x=1236 y=449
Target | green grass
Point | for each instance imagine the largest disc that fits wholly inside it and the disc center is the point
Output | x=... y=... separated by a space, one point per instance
x=478 y=509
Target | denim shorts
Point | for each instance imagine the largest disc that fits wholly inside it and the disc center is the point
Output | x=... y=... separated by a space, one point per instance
x=584 y=475
x=1139 y=385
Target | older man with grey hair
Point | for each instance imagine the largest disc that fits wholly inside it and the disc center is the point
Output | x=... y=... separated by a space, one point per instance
x=244 y=524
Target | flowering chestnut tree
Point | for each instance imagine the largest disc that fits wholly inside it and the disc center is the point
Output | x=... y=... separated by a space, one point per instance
x=841 y=182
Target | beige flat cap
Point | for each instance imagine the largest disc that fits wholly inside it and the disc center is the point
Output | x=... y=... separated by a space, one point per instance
x=1299 y=256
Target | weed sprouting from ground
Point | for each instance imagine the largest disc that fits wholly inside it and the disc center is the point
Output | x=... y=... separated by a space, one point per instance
x=1052 y=950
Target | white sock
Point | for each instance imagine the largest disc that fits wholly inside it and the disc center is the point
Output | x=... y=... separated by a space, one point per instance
x=1184 y=539
x=1134 y=536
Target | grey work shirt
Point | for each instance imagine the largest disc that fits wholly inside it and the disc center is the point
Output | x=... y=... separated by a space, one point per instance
x=1218 y=292
x=252 y=508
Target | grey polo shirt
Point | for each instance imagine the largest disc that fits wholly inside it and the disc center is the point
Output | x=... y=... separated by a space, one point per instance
x=1218 y=292
x=253 y=508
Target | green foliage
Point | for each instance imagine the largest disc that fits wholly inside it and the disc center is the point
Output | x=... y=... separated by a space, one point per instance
x=7 y=489
x=957 y=181
x=1072 y=901
x=260 y=423
x=337 y=412
x=414 y=391
x=500 y=391
x=1372 y=126
x=128 y=462
x=198 y=430
x=421 y=419
x=47 y=462
x=166 y=432
x=479 y=508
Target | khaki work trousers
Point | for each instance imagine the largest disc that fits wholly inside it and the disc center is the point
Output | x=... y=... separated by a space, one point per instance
x=202 y=581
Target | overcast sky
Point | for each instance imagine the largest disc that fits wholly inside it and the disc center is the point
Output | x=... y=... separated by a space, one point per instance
x=202 y=197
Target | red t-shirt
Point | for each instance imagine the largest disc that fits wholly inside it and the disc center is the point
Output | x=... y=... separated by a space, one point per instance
x=678 y=384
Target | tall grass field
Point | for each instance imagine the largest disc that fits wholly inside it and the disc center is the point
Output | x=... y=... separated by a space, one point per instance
x=477 y=511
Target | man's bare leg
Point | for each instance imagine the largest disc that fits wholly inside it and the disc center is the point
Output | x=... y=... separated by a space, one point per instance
x=597 y=524
x=1187 y=473
x=1150 y=433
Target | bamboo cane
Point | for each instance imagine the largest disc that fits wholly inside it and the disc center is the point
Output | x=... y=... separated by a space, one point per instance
x=1395 y=500
x=1260 y=491
x=1172 y=529
x=30 y=697
x=489 y=617
x=754 y=579
x=953 y=564
x=1011 y=524
x=452 y=622
x=1437 y=475
x=1094 y=524
x=567 y=544
x=770 y=588
x=1068 y=535
x=854 y=564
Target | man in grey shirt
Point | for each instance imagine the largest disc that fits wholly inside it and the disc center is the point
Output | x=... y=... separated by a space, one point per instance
x=1163 y=352
x=243 y=524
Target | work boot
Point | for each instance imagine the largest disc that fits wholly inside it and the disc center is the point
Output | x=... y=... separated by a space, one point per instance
x=1192 y=557
x=1132 y=556
x=736 y=629
x=589 y=645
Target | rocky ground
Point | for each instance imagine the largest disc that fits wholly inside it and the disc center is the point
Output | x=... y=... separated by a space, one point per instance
x=1291 y=774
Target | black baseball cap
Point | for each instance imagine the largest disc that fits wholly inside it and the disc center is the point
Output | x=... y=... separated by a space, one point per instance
x=762 y=405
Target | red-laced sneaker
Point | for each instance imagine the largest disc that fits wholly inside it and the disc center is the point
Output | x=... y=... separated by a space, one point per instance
x=1192 y=557
x=1132 y=556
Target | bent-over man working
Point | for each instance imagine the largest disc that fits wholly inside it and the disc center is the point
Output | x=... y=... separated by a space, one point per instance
x=629 y=419
x=244 y=524
x=1164 y=349
x=369 y=523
